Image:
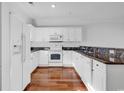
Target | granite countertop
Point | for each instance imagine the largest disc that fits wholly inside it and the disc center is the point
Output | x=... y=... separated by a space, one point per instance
x=34 y=49
x=102 y=56
x=116 y=61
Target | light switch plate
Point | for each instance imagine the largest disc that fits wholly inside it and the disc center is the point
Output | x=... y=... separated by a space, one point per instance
x=111 y=59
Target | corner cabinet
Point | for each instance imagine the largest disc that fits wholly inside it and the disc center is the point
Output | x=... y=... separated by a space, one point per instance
x=97 y=75
x=107 y=77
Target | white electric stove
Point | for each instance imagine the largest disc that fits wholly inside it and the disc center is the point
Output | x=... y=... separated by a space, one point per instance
x=55 y=55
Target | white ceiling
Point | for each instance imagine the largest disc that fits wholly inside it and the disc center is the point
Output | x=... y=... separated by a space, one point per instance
x=73 y=13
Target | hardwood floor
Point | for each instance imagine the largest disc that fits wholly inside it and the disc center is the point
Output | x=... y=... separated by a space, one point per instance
x=55 y=79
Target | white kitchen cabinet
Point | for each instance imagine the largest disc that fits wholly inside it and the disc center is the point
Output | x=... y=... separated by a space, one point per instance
x=75 y=34
x=86 y=72
x=40 y=34
x=56 y=30
x=65 y=34
x=71 y=32
x=68 y=33
x=99 y=76
x=83 y=66
x=67 y=58
x=34 y=60
x=108 y=77
x=77 y=62
x=33 y=34
x=43 y=58
x=78 y=34
x=26 y=74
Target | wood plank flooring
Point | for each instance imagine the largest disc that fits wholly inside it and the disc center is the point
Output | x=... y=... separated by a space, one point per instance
x=55 y=79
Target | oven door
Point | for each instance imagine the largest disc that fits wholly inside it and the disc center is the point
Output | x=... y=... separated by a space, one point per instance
x=55 y=56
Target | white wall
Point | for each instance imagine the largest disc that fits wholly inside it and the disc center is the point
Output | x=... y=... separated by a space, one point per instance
x=105 y=35
x=5 y=32
x=0 y=47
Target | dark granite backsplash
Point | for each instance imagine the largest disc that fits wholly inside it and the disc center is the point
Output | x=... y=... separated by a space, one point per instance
x=107 y=54
x=70 y=48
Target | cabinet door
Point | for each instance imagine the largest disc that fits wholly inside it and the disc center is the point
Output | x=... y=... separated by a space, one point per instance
x=71 y=34
x=43 y=58
x=35 y=60
x=67 y=58
x=65 y=34
x=75 y=34
x=77 y=62
x=26 y=74
x=99 y=76
x=98 y=80
x=33 y=34
x=78 y=34
x=86 y=69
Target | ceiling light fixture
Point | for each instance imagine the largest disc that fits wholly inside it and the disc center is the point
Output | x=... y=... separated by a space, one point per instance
x=53 y=5
x=31 y=3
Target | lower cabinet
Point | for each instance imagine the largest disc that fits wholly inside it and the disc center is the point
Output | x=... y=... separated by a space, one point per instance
x=28 y=67
x=83 y=66
x=107 y=77
x=43 y=58
x=34 y=60
x=67 y=58
x=26 y=74
x=92 y=72
x=99 y=76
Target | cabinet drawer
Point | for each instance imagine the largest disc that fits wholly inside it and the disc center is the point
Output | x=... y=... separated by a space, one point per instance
x=99 y=65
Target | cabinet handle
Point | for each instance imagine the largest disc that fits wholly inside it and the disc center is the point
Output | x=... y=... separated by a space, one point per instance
x=97 y=64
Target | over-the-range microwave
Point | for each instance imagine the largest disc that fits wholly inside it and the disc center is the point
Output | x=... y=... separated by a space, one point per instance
x=55 y=38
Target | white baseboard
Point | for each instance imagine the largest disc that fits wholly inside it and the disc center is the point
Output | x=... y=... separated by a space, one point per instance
x=43 y=65
x=67 y=65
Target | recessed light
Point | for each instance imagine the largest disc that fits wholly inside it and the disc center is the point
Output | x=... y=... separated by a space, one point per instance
x=53 y=5
x=31 y=3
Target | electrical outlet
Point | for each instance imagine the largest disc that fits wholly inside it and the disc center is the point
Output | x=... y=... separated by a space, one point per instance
x=111 y=52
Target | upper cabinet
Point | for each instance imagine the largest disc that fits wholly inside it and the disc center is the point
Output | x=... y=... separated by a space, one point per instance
x=69 y=33
x=75 y=34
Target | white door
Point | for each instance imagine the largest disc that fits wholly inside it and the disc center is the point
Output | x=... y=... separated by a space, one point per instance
x=26 y=55
x=16 y=53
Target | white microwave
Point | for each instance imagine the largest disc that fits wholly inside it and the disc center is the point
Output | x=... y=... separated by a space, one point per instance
x=55 y=38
